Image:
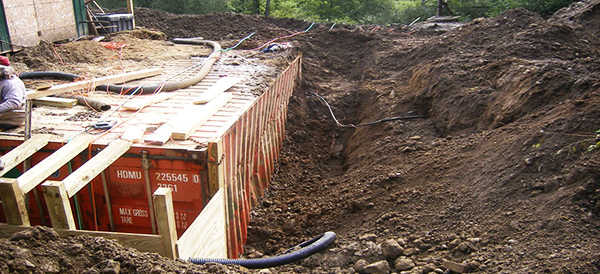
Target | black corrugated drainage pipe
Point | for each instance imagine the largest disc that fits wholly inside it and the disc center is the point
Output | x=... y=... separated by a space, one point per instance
x=174 y=85
x=308 y=248
x=48 y=74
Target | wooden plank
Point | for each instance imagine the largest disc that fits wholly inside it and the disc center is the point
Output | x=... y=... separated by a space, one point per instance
x=59 y=207
x=160 y=136
x=146 y=100
x=23 y=151
x=217 y=89
x=93 y=167
x=206 y=236
x=92 y=83
x=192 y=118
x=46 y=167
x=55 y=102
x=130 y=10
x=214 y=158
x=165 y=221
x=141 y=242
x=13 y=199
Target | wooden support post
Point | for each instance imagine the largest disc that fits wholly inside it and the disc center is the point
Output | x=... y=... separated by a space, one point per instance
x=165 y=220
x=22 y=152
x=93 y=167
x=130 y=9
x=13 y=199
x=59 y=207
x=112 y=79
x=46 y=167
x=214 y=158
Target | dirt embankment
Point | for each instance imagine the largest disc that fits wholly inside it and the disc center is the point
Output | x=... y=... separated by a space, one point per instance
x=500 y=176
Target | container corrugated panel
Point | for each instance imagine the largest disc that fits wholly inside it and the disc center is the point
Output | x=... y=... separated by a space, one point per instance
x=115 y=22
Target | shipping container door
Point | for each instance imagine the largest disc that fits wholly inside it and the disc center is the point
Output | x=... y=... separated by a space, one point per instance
x=4 y=36
x=80 y=19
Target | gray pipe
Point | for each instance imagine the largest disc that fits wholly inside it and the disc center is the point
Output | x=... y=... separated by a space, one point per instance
x=174 y=85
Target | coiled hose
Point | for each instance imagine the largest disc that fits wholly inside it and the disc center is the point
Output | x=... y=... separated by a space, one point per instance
x=174 y=85
x=308 y=248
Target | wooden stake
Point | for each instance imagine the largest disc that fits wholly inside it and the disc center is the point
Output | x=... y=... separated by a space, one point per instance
x=165 y=220
x=13 y=199
x=59 y=207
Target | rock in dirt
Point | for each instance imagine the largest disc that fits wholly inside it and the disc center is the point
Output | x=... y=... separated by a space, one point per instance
x=368 y=237
x=404 y=263
x=380 y=267
x=458 y=267
x=110 y=267
x=391 y=249
x=360 y=265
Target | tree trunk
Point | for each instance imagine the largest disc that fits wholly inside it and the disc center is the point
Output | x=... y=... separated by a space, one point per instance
x=439 y=8
x=267 y=8
x=257 y=6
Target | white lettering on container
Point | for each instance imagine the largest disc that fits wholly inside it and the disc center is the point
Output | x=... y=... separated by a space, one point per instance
x=129 y=174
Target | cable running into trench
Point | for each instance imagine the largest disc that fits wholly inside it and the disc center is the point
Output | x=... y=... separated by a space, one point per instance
x=390 y=119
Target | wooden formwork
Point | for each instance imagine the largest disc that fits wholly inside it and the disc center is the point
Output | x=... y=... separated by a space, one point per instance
x=243 y=160
x=238 y=163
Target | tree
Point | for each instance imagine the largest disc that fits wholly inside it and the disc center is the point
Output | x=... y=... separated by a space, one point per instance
x=267 y=8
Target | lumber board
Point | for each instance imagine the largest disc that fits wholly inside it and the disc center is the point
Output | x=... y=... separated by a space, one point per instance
x=93 y=167
x=214 y=156
x=206 y=236
x=46 y=167
x=218 y=88
x=143 y=101
x=55 y=102
x=141 y=242
x=183 y=127
x=23 y=151
x=59 y=207
x=165 y=221
x=13 y=199
x=160 y=136
x=92 y=83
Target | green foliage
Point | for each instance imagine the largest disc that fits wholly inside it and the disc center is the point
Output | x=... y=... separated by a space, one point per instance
x=348 y=11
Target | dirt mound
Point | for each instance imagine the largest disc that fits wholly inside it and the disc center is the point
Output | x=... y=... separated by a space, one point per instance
x=582 y=14
x=42 y=250
x=225 y=27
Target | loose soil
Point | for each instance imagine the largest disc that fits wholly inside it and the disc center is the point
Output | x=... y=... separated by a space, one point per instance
x=501 y=175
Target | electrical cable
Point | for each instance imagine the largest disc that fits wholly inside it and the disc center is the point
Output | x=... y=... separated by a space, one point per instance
x=239 y=43
x=389 y=119
x=284 y=37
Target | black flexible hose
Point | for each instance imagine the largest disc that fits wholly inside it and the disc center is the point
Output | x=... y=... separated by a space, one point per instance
x=309 y=247
x=49 y=74
x=173 y=85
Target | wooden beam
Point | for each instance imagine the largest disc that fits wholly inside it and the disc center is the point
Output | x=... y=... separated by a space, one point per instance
x=217 y=89
x=55 y=102
x=160 y=136
x=22 y=152
x=130 y=9
x=46 y=167
x=13 y=200
x=92 y=83
x=206 y=236
x=141 y=102
x=141 y=242
x=214 y=158
x=59 y=207
x=93 y=167
x=183 y=126
x=165 y=221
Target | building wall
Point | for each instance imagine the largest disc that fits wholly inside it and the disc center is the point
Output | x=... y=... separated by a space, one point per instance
x=30 y=21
